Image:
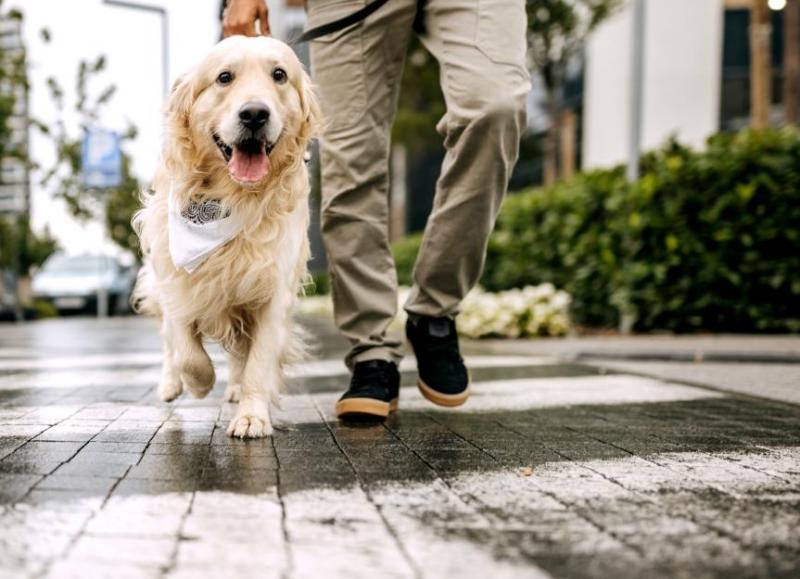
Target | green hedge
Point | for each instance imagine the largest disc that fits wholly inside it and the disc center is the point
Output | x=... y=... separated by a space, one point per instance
x=405 y=253
x=704 y=241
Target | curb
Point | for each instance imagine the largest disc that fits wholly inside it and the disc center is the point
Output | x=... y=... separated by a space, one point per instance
x=698 y=357
x=597 y=365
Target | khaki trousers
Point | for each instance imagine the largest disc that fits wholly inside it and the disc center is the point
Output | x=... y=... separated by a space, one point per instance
x=480 y=46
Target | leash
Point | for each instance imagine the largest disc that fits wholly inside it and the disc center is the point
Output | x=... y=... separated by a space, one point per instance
x=355 y=18
x=341 y=23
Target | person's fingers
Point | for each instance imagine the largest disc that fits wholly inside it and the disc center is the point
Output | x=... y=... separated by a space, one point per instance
x=234 y=22
x=243 y=28
x=225 y=22
x=249 y=28
x=263 y=18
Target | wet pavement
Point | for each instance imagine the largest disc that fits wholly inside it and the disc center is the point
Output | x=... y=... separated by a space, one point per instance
x=551 y=470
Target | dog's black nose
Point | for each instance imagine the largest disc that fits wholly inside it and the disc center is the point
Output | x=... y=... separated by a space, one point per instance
x=254 y=115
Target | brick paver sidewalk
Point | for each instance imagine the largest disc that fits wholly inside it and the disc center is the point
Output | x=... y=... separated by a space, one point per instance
x=549 y=471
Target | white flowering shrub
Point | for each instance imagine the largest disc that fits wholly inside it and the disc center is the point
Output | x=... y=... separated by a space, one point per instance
x=531 y=311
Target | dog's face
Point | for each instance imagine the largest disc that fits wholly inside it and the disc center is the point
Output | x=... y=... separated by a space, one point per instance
x=246 y=108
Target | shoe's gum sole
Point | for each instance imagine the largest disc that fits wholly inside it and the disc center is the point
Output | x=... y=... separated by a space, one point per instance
x=448 y=400
x=365 y=407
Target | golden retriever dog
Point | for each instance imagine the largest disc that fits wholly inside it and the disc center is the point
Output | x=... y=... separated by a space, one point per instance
x=223 y=230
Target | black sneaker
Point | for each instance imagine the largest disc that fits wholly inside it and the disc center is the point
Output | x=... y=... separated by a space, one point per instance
x=373 y=392
x=443 y=377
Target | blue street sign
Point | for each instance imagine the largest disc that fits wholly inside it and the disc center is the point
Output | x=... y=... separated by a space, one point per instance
x=101 y=158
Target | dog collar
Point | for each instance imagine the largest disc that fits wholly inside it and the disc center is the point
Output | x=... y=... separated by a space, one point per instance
x=198 y=230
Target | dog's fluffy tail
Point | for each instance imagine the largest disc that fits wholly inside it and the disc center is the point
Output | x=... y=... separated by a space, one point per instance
x=299 y=348
x=143 y=299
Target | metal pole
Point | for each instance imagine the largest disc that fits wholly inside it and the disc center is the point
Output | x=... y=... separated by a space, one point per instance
x=636 y=88
x=165 y=53
x=16 y=267
x=627 y=314
x=162 y=12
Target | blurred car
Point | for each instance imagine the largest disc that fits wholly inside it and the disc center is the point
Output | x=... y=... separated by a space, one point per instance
x=72 y=283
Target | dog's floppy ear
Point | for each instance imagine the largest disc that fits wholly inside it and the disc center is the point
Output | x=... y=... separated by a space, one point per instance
x=180 y=99
x=309 y=105
x=178 y=143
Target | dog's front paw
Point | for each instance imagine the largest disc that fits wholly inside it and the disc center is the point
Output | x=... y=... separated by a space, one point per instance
x=232 y=393
x=251 y=421
x=198 y=378
x=249 y=427
x=169 y=391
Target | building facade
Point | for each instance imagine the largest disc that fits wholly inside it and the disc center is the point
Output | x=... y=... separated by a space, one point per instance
x=696 y=76
x=14 y=171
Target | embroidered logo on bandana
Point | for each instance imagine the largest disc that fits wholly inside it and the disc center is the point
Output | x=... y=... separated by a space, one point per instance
x=202 y=212
x=198 y=230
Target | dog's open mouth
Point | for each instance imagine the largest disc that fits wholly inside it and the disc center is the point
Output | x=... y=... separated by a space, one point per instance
x=248 y=161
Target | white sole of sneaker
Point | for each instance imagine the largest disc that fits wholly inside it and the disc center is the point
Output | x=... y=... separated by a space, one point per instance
x=365 y=407
x=447 y=400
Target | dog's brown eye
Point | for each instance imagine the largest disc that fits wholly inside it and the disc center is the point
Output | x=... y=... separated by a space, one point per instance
x=225 y=78
x=279 y=75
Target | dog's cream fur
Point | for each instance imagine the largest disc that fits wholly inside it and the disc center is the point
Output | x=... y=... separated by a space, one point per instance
x=242 y=295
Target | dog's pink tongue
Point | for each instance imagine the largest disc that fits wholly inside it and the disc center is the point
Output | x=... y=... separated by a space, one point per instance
x=248 y=168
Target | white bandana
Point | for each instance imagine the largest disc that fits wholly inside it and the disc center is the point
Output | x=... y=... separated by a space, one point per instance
x=197 y=231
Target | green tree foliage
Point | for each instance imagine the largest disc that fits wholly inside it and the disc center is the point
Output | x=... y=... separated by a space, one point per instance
x=65 y=176
x=557 y=33
x=405 y=255
x=121 y=203
x=704 y=241
x=13 y=76
x=421 y=103
x=20 y=248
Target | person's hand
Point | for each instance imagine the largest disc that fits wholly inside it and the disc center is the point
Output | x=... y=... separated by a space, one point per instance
x=240 y=17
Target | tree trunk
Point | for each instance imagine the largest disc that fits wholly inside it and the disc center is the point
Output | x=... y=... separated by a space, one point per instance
x=551 y=140
x=760 y=64
x=398 y=192
x=569 y=122
x=791 y=61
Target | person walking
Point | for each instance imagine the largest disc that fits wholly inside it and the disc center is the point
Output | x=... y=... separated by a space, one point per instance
x=480 y=46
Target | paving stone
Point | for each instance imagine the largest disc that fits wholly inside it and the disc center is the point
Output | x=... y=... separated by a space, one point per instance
x=73 y=431
x=100 y=485
x=51 y=414
x=128 y=431
x=147 y=486
x=141 y=516
x=149 y=413
x=28 y=554
x=329 y=534
x=38 y=457
x=195 y=414
x=26 y=431
x=184 y=432
x=50 y=497
x=100 y=446
x=76 y=568
x=141 y=551
x=15 y=486
x=171 y=466
x=10 y=444
x=100 y=411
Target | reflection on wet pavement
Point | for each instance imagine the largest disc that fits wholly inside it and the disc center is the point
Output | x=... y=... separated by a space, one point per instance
x=549 y=471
